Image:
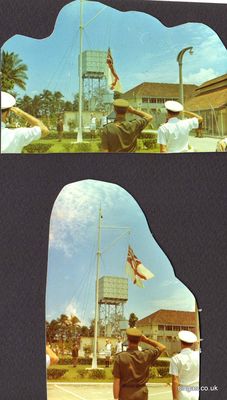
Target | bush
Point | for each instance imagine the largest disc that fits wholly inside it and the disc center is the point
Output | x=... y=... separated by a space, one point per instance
x=153 y=372
x=149 y=143
x=162 y=363
x=66 y=360
x=163 y=371
x=82 y=372
x=97 y=374
x=37 y=148
x=53 y=373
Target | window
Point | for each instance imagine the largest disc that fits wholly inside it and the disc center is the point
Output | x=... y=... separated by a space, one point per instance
x=161 y=327
x=169 y=328
x=176 y=328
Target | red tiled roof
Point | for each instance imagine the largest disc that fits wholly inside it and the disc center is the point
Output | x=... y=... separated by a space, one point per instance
x=154 y=89
x=170 y=317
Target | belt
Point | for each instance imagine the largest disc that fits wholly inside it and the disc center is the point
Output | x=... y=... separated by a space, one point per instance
x=133 y=386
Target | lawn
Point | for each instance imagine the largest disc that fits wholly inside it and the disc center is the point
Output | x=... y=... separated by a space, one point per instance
x=74 y=375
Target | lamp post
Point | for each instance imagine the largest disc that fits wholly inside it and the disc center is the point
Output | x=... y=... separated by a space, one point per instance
x=180 y=62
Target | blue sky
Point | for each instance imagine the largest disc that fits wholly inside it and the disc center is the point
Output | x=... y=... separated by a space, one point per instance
x=73 y=246
x=143 y=50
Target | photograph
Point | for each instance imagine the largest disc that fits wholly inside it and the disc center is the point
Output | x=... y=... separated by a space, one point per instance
x=118 y=321
x=113 y=81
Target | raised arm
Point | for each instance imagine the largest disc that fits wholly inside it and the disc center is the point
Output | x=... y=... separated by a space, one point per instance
x=53 y=357
x=141 y=114
x=153 y=343
x=192 y=115
x=31 y=120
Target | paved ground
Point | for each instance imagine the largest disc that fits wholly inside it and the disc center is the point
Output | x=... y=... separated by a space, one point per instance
x=205 y=144
x=99 y=392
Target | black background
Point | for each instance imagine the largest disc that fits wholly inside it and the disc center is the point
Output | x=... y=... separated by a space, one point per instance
x=183 y=196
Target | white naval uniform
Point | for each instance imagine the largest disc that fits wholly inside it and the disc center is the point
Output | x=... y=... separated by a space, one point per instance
x=175 y=134
x=13 y=140
x=93 y=124
x=185 y=365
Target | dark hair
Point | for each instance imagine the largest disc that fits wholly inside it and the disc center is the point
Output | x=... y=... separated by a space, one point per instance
x=5 y=110
x=120 y=110
x=186 y=344
x=174 y=113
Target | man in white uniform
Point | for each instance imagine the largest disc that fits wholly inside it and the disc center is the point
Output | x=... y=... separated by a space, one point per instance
x=174 y=134
x=184 y=368
x=13 y=140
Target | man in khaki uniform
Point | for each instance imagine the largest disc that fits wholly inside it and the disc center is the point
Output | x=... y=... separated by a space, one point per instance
x=131 y=367
x=121 y=136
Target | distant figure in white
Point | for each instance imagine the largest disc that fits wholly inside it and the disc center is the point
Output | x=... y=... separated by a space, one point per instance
x=108 y=351
x=119 y=345
x=184 y=368
x=93 y=125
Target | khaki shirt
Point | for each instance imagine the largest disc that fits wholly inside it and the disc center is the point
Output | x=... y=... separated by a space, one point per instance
x=132 y=366
x=118 y=137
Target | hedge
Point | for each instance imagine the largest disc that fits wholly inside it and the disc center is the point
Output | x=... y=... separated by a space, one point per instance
x=163 y=371
x=67 y=360
x=56 y=373
x=37 y=148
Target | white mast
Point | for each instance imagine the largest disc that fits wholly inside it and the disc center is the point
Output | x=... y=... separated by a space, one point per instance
x=99 y=253
x=94 y=359
x=80 y=128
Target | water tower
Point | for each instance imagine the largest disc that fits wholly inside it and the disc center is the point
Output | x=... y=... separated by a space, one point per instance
x=113 y=294
x=94 y=77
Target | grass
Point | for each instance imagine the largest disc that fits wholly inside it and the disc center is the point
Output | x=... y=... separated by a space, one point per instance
x=73 y=376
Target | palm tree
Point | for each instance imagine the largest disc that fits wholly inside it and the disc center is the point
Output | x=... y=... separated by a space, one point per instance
x=13 y=71
x=63 y=323
x=74 y=324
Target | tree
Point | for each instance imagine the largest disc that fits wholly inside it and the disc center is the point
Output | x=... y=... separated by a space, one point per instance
x=13 y=72
x=74 y=325
x=52 y=329
x=84 y=331
x=132 y=320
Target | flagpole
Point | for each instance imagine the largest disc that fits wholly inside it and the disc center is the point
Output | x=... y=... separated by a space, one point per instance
x=79 y=134
x=197 y=323
x=94 y=359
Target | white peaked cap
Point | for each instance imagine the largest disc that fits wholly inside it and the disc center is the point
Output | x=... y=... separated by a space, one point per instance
x=187 y=336
x=7 y=100
x=174 y=106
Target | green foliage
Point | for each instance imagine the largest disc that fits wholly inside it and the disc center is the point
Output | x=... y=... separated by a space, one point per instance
x=153 y=373
x=132 y=320
x=35 y=148
x=13 y=72
x=53 y=373
x=97 y=374
x=149 y=143
x=162 y=363
x=82 y=372
x=163 y=371
x=65 y=360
